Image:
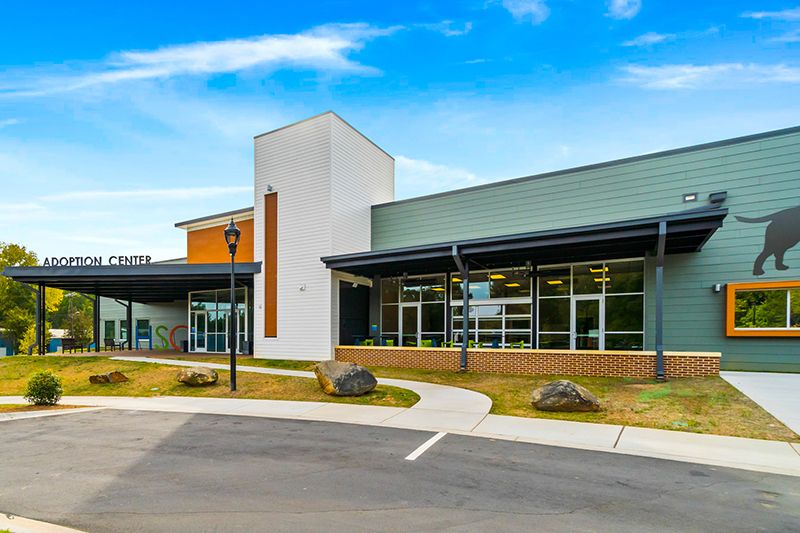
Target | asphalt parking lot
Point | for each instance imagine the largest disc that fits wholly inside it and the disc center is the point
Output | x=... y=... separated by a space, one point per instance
x=124 y=471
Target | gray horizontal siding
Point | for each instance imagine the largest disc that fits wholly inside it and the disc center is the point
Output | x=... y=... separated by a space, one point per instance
x=761 y=177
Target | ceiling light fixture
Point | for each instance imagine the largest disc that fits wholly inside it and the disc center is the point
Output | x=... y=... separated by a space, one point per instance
x=497 y=276
x=555 y=282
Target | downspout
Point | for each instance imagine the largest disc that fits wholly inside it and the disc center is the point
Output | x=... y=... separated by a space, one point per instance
x=463 y=269
x=662 y=237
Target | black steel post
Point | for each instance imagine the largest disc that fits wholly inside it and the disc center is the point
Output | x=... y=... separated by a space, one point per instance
x=232 y=340
x=42 y=319
x=465 y=330
x=662 y=234
x=96 y=309
x=129 y=320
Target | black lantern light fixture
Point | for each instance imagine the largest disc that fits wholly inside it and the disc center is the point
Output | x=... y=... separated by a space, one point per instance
x=232 y=235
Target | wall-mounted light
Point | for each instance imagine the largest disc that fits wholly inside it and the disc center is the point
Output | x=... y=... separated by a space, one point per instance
x=355 y=284
x=302 y=287
x=269 y=188
x=690 y=197
x=717 y=287
x=717 y=197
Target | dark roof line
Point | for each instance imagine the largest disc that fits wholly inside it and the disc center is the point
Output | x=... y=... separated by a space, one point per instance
x=211 y=217
x=606 y=164
x=713 y=212
x=329 y=112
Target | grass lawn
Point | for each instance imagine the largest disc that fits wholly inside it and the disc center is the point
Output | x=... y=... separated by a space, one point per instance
x=699 y=405
x=147 y=379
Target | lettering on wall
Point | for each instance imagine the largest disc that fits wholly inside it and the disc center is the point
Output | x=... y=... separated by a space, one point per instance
x=113 y=260
x=782 y=234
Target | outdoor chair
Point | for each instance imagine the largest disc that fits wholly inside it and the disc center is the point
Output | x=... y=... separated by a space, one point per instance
x=388 y=342
x=517 y=345
x=368 y=342
x=110 y=344
x=427 y=343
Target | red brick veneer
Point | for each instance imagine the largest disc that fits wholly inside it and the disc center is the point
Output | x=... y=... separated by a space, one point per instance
x=566 y=362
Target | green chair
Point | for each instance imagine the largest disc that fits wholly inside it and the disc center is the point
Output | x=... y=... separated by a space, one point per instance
x=388 y=342
x=427 y=343
x=517 y=345
x=368 y=342
x=448 y=344
x=471 y=344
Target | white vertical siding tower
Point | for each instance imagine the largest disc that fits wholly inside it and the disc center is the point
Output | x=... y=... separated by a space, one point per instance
x=327 y=176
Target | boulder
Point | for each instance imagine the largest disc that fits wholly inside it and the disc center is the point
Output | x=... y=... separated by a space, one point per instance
x=564 y=395
x=110 y=377
x=197 y=376
x=344 y=379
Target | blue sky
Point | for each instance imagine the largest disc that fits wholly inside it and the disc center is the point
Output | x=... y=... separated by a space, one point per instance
x=118 y=119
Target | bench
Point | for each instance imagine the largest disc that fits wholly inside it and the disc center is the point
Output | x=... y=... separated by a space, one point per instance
x=71 y=345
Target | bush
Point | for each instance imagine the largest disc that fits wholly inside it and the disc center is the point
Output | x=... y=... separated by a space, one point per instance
x=44 y=388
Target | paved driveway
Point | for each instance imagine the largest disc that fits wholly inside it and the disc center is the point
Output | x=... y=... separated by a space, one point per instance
x=121 y=471
x=779 y=394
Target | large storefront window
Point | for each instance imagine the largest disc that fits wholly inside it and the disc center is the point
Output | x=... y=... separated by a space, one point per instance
x=500 y=308
x=592 y=306
x=412 y=311
x=209 y=316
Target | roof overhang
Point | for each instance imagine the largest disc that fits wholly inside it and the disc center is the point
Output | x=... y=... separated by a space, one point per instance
x=140 y=283
x=687 y=232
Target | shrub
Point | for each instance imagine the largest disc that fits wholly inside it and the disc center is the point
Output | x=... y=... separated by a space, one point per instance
x=44 y=388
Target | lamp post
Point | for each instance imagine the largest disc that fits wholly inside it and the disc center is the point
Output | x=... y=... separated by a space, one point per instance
x=232 y=235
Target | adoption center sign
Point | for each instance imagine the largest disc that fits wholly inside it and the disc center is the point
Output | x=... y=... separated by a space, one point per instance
x=113 y=260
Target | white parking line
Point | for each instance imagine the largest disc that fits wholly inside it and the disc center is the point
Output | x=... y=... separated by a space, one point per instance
x=422 y=449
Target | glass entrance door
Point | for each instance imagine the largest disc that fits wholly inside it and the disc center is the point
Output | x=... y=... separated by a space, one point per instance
x=587 y=323
x=409 y=326
x=199 y=329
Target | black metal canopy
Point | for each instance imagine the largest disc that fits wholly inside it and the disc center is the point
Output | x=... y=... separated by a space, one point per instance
x=687 y=231
x=141 y=283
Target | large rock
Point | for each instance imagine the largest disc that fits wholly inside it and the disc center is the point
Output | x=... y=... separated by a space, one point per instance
x=344 y=379
x=563 y=395
x=110 y=377
x=198 y=376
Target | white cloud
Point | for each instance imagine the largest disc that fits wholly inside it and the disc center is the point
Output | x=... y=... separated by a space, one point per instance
x=420 y=177
x=623 y=9
x=534 y=10
x=8 y=122
x=649 y=39
x=448 y=28
x=324 y=48
x=722 y=75
x=167 y=195
x=789 y=37
x=786 y=14
x=476 y=61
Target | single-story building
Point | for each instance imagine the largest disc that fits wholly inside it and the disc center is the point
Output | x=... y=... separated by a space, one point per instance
x=655 y=264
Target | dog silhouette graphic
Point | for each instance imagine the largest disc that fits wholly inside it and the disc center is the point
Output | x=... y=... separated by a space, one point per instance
x=783 y=233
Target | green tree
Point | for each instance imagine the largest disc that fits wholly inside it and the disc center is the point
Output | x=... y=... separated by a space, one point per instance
x=17 y=303
x=71 y=300
x=79 y=324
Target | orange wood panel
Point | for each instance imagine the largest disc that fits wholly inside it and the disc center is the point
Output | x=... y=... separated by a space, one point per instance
x=208 y=245
x=730 y=309
x=271 y=265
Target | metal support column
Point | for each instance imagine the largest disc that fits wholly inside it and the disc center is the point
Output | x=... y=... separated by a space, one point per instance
x=42 y=325
x=96 y=309
x=463 y=268
x=129 y=319
x=662 y=235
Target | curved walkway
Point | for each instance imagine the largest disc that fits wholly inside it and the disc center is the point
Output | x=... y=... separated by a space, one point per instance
x=441 y=407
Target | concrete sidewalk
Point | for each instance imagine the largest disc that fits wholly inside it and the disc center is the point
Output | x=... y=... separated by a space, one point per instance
x=777 y=393
x=749 y=454
x=440 y=406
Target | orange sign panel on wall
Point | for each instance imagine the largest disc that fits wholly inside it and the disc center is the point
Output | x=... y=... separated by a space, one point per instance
x=207 y=245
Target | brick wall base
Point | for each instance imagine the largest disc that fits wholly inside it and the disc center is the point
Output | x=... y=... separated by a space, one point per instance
x=560 y=362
